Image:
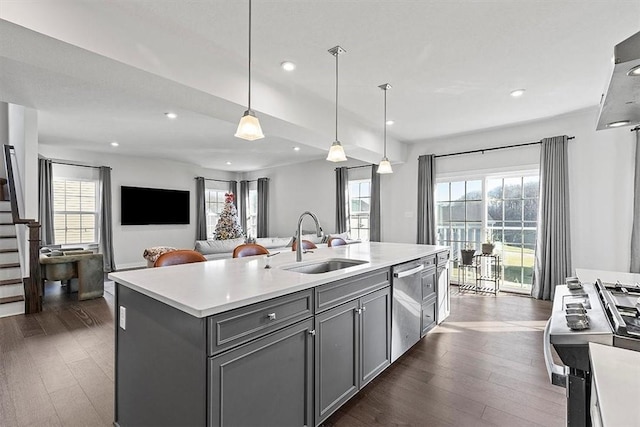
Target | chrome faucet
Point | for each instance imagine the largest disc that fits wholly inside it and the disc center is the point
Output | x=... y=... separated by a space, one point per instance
x=299 y=234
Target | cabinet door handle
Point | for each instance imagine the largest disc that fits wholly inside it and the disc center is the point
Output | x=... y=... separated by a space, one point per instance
x=358 y=310
x=271 y=316
x=312 y=332
x=364 y=308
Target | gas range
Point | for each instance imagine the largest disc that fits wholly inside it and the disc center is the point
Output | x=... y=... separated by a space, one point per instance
x=608 y=301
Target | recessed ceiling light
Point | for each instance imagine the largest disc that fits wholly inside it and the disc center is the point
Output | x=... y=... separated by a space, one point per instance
x=228 y=163
x=296 y=148
x=114 y=144
x=288 y=66
x=389 y=122
x=171 y=115
x=634 y=72
x=618 y=124
x=516 y=93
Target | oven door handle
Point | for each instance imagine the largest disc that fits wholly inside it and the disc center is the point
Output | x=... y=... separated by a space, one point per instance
x=557 y=373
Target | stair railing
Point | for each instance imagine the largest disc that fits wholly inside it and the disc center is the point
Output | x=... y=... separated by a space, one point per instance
x=33 y=283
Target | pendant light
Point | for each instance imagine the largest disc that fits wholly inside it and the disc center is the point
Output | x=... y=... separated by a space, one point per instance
x=336 y=152
x=385 y=166
x=249 y=126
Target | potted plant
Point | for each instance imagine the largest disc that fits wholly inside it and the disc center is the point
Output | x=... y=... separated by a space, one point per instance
x=467 y=254
x=488 y=246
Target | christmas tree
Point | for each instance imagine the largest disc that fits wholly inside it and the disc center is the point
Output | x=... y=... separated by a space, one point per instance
x=228 y=226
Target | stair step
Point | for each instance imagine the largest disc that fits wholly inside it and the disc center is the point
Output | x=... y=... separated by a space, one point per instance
x=10 y=282
x=12 y=265
x=8 y=250
x=8 y=300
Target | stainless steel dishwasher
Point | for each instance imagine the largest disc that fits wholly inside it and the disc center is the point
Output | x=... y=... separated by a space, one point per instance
x=406 y=315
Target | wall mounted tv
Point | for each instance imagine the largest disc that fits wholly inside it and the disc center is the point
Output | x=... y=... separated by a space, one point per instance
x=145 y=206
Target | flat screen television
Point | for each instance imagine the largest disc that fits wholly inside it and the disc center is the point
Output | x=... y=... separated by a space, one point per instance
x=145 y=206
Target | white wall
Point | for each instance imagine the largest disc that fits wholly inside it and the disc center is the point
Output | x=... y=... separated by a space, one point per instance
x=600 y=179
x=297 y=188
x=130 y=241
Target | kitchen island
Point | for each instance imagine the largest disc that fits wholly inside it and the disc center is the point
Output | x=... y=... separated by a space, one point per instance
x=230 y=342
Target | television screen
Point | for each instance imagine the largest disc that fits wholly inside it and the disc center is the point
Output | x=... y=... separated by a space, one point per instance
x=144 y=206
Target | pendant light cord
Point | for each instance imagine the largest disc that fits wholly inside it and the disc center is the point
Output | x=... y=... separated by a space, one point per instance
x=337 y=54
x=249 y=102
x=385 y=123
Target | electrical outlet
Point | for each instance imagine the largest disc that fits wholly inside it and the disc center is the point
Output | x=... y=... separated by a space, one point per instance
x=123 y=317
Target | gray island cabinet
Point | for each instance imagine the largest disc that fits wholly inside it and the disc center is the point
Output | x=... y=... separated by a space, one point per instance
x=257 y=347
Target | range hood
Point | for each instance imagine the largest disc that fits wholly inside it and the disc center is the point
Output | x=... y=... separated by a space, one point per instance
x=620 y=105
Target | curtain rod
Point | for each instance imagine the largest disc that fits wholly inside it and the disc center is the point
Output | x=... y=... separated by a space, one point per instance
x=356 y=167
x=211 y=179
x=494 y=148
x=635 y=129
x=59 y=162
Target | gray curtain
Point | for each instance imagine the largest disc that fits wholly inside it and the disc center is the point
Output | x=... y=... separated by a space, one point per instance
x=374 y=212
x=233 y=188
x=201 y=210
x=635 y=231
x=244 y=204
x=553 y=246
x=45 y=199
x=263 y=207
x=106 y=220
x=342 y=213
x=426 y=199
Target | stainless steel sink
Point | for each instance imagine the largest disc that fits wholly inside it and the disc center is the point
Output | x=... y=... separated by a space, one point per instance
x=324 y=266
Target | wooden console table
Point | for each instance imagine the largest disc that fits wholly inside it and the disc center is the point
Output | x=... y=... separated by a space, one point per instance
x=84 y=271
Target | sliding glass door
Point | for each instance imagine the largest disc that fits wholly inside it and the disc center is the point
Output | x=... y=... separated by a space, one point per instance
x=502 y=210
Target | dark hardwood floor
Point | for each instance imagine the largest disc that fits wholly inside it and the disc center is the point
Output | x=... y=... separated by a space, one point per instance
x=483 y=366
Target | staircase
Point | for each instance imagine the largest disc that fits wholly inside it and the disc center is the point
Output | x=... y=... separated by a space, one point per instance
x=11 y=284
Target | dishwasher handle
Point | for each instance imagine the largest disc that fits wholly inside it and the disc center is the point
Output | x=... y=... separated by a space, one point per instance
x=401 y=274
x=557 y=373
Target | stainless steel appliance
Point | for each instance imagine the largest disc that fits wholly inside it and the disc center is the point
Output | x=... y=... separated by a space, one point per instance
x=407 y=298
x=613 y=319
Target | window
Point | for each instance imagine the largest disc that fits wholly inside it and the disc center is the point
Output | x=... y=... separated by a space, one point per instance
x=502 y=209
x=214 y=201
x=75 y=211
x=359 y=208
x=512 y=214
x=252 y=211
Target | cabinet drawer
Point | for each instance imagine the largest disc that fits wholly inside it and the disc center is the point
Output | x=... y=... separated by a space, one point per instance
x=226 y=330
x=335 y=293
x=429 y=280
x=443 y=257
x=430 y=260
x=429 y=312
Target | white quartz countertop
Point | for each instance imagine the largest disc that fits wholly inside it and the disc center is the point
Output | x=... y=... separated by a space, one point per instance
x=616 y=373
x=206 y=288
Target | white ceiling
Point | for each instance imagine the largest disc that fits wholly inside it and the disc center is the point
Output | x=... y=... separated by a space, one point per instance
x=108 y=70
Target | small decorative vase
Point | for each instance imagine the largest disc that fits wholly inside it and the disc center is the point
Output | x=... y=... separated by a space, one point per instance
x=487 y=248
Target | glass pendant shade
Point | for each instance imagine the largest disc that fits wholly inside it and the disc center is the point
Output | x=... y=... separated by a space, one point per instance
x=336 y=153
x=249 y=127
x=384 y=166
